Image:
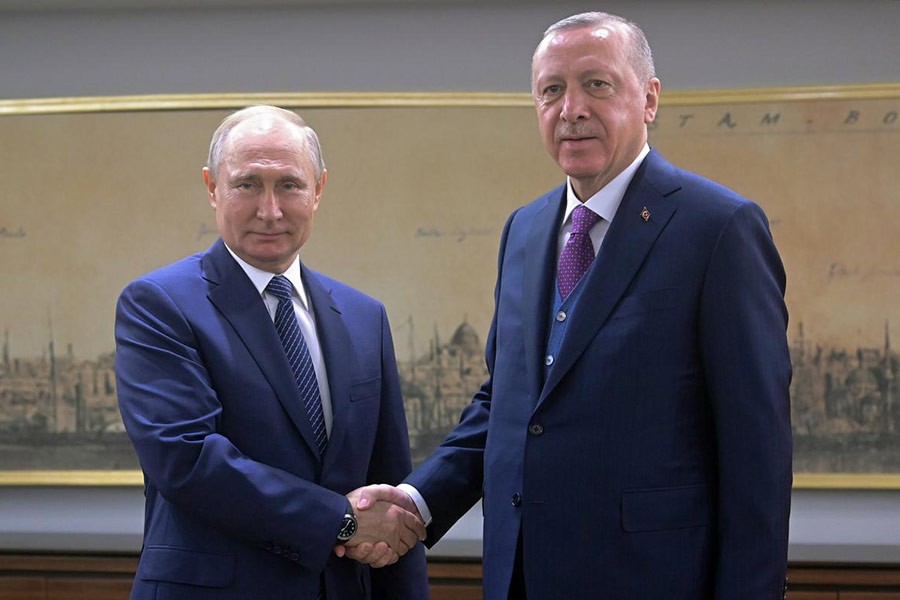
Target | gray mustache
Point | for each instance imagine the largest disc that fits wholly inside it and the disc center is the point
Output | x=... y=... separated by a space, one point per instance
x=575 y=132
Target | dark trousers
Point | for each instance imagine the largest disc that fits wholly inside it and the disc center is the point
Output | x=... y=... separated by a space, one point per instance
x=517 y=583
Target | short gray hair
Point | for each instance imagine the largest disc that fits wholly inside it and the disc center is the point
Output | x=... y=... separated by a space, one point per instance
x=640 y=56
x=220 y=137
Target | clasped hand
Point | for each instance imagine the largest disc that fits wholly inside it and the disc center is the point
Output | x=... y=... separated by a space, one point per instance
x=389 y=525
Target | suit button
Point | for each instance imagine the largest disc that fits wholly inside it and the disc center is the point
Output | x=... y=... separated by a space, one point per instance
x=516 y=500
x=561 y=316
x=276 y=549
x=536 y=429
x=294 y=556
x=548 y=360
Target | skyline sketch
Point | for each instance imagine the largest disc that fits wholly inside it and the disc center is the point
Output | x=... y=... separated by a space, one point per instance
x=59 y=411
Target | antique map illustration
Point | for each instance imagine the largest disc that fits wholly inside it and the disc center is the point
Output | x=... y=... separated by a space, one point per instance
x=412 y=213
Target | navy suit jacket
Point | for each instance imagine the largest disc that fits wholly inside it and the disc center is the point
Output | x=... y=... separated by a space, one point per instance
x=653 y=459
x=238 y=503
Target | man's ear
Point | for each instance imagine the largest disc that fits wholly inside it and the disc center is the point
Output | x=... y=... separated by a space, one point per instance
x=210 y=186
x=652 y=100
x=320 y=187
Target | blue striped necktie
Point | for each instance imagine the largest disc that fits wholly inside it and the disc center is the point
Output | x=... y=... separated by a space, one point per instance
x=298 y=356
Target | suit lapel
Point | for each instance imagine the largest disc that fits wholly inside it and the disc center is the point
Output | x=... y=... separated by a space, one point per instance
x=234 y=295
x=340 y=358
x=621 y=256
x=540 y=281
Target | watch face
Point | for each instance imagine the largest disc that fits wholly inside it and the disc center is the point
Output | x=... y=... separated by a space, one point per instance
x=348 y=528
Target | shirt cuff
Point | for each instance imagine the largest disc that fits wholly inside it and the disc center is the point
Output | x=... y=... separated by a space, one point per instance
x=418 y=500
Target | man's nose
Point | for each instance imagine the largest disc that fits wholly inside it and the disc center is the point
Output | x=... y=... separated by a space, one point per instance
x=574 y=105
x=268 y=209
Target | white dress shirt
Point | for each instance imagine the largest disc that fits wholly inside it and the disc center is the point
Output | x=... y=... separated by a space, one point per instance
x=305 y=318
x=605 y=203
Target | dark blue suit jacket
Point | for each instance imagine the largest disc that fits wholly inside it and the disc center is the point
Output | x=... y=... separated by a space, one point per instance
x=239 y=504
x=653 y=461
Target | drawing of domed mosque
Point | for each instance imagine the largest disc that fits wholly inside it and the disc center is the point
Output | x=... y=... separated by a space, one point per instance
x=439 y=384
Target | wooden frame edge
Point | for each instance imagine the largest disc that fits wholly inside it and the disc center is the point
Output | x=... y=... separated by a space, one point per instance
x=846 y=481
x=109 y=478
x=89 y=104
x=832 y=481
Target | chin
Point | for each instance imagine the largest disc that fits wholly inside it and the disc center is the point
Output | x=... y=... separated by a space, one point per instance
x=582 y=167
x=583 y=174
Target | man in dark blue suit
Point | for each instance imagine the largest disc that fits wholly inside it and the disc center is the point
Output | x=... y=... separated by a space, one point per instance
x=250 y=462
x=633 y=441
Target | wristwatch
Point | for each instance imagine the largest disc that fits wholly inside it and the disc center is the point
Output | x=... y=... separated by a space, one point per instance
x=348 y=526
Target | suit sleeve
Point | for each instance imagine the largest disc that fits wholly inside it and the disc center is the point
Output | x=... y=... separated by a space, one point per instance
x=748 y=371
x=391 y=462
x=172 y=413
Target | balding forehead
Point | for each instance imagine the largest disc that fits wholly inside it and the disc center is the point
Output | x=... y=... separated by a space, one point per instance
x=600 y=31
x=265 y=123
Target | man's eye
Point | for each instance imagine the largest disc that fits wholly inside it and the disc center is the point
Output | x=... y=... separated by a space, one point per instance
x=551 y=90
x=597 y=84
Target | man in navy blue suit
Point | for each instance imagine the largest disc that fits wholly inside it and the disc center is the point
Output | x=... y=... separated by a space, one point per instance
x=250 y=464
x=633 y=440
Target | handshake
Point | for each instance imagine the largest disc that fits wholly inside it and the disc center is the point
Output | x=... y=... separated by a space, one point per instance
x=389 y=525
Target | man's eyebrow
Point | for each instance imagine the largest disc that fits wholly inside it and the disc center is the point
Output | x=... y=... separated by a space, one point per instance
x=244 y=175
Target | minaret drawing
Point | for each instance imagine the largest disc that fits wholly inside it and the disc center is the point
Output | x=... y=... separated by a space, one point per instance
x=52 y=376
x=888 y=380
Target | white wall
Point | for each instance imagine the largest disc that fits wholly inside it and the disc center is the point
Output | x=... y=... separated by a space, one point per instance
x=455 y=46
x=373 y=45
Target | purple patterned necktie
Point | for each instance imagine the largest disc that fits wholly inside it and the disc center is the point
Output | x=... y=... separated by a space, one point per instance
x=298 y=356
x=578 y=253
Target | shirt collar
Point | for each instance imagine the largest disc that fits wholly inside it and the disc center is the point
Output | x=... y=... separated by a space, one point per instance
x=261 y=278
x=606 y=201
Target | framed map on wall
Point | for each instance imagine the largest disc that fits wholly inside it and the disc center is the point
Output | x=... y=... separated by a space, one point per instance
x=100 y=190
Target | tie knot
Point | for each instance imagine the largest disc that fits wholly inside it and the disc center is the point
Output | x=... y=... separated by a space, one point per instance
x=280 y=287
x=583 y=219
